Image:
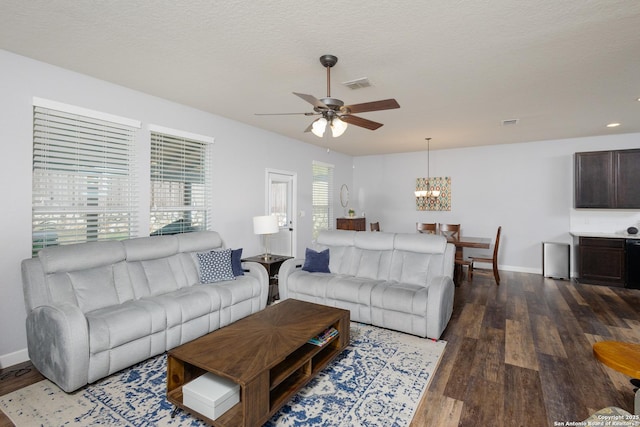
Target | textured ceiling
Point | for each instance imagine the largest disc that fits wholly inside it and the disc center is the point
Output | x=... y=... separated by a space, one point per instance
x=458 y=68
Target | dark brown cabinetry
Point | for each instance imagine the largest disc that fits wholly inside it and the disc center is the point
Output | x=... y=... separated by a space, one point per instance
x=357 y=224
x=627 y=189
x=607 y=179
x=601 y=261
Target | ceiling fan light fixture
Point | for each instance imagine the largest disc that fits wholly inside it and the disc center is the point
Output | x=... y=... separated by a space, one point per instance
x=318 y=127
x=338 y=127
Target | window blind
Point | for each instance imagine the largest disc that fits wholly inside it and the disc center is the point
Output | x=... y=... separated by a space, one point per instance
x=84 y=183
x=181 y=199
x=323 y=217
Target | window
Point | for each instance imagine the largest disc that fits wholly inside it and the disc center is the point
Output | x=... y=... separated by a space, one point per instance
x=84 y=185
x=321 y=197
x=180 y=181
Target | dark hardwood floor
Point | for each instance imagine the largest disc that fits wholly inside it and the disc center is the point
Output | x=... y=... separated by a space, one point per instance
x=518 y=354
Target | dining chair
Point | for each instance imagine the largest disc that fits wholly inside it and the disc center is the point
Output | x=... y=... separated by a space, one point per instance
x=426 y=227
x=453 y=231
x=450 y=230
x=375 y=226
x=491 y=257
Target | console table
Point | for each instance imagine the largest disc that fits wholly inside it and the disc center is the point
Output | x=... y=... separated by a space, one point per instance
x=357 y=224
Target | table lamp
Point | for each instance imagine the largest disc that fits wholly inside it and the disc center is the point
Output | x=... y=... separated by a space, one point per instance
x=265 y=225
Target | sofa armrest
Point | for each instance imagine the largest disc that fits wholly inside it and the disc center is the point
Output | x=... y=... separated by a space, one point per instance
x=58 y=344
x=439 y=305
x=259 y=272
x=287 y=267
x=449 y=260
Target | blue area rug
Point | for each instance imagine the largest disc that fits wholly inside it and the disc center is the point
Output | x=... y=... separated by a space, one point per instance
x=377 y=381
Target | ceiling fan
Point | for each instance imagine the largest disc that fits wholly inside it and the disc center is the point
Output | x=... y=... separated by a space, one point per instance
x=333 y=111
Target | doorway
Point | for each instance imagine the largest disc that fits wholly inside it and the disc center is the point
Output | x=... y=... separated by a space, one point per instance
x=281 y=201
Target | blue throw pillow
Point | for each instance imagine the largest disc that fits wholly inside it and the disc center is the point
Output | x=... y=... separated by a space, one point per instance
x=215 y=266
x=236 y=262
x=316 y=262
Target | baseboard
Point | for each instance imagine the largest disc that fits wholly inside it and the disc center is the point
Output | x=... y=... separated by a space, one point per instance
x=509 y=268
x=520 y=269
x=14 y=358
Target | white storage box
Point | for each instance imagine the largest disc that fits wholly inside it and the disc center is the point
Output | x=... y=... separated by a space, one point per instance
x=210 y=395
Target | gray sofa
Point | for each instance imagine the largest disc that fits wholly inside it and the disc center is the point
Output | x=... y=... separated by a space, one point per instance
x=397 y=281
x=96 y=308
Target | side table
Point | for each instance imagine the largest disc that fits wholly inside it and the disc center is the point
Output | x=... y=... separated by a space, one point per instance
x=624 y=357
x=272 y=265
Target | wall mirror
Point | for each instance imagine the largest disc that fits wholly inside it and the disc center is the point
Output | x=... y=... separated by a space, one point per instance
x=344 y=195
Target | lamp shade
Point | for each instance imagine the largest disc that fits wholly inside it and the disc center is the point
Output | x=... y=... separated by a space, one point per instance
x=266 y=224
x=319 y=126
x=337 y=127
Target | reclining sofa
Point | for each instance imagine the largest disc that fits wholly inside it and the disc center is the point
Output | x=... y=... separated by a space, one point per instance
x=96 y=308
x=397 y=281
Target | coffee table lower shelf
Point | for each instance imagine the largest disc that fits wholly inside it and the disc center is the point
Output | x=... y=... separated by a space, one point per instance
x=263 y=393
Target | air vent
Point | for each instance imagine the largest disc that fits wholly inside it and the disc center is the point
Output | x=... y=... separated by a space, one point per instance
x=357 y=83
x=510 y=122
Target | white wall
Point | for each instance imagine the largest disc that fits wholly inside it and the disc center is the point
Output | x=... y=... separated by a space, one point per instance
x=241 y=155
x=526 y=188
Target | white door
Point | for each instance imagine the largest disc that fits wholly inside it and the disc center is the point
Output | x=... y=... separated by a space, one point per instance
x=281 y=190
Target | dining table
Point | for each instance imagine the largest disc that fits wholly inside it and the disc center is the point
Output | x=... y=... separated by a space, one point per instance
x=466 y=242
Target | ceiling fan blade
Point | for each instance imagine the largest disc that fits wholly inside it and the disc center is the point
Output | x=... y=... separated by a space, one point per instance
x=312 y=100
x=284 y=114
x=385 y=104
x=308 y=129
x=359 y=121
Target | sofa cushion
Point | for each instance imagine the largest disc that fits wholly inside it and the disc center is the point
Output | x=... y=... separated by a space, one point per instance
x=198 y=241
x=369 y=264
x=81 y=256
x=336 y=237
x=375 y=241
x=233 y=292
x=113 y=326
x=410 y=267
x=400 y=297
x=421 y=243
x=147 y=248
x=94 y=288
x=313 y=284
x=316 y=262
x=188 y=311
x=215 y=266
x=159 y=275
x=353 y=289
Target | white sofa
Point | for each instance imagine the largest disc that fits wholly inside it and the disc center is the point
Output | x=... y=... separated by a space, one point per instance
x=397 y=281
x=96 y=308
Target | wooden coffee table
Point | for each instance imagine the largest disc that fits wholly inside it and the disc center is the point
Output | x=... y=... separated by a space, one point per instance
x=266 y=353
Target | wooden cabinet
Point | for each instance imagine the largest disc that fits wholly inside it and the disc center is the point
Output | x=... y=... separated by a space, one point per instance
x=357 y=224
x=627 y=188
x=607 y=179
x=594 y=179
x=601 y=261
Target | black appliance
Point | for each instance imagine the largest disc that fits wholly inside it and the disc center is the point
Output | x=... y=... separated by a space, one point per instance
x=633 y=263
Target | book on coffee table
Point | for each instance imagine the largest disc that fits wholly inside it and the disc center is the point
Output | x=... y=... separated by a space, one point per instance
x=324 y=337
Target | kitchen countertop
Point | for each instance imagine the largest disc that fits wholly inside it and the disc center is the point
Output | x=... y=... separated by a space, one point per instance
x=619 y=235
